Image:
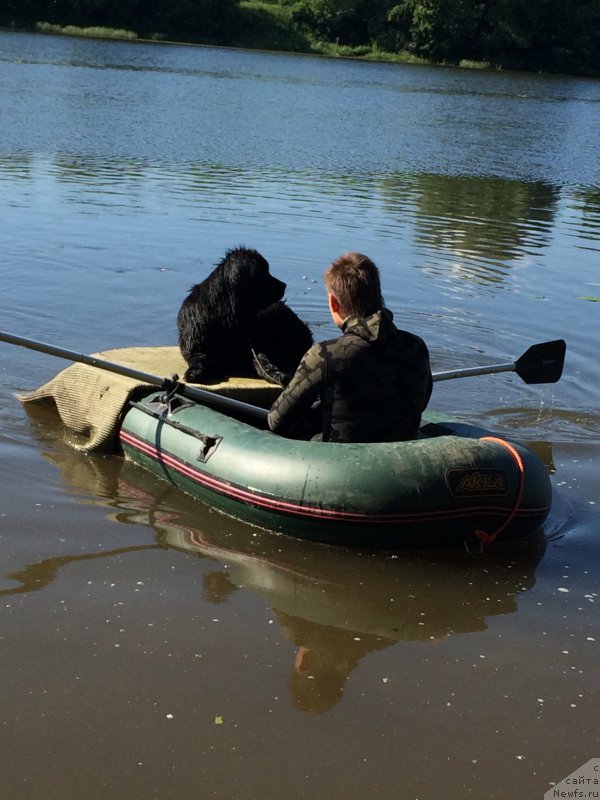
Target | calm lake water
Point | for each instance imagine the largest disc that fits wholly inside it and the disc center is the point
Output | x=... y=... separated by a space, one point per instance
x=151 y=647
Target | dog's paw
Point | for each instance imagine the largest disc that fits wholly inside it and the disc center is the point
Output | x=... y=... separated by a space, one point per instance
x=192 y=375
x=196 y=369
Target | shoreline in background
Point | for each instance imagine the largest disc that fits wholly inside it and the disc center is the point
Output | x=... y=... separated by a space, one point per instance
x=322 y=50
x=500 y=37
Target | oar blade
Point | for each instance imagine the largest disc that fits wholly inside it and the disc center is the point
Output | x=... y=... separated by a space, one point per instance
x=542 y=363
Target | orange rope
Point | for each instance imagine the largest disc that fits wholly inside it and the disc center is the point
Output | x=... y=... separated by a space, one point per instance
x=488 y=538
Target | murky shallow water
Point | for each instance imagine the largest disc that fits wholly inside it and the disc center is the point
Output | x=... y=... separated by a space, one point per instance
x=153 y=647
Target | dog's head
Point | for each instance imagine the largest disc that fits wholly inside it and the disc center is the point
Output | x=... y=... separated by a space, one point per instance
x=246 y=274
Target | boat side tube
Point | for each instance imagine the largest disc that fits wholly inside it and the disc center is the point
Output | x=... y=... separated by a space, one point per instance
x=443 y=486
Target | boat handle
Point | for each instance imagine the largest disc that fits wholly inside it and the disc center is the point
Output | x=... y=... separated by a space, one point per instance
x=209 y=442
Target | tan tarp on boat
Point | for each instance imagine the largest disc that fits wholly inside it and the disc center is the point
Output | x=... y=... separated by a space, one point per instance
x=92 y=401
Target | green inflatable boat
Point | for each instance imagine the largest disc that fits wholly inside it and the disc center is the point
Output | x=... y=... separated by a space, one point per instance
x=454 y=483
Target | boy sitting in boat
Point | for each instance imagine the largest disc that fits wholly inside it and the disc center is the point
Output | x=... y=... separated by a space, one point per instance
x=372 y=383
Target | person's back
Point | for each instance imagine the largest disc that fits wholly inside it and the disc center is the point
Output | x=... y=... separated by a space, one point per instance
x=377 y=382
x=372 y=382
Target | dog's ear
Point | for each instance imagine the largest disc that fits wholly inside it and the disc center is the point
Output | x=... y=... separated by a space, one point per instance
x=242 y=266
x=250 y=285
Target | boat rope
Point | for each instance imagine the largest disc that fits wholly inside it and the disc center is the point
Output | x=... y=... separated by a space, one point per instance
x=487 y=538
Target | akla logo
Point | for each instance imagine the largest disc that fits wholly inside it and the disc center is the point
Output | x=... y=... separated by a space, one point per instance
x=583 y=784
x=463 y=482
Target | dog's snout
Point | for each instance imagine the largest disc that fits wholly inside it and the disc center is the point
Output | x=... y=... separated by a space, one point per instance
x=280 y=288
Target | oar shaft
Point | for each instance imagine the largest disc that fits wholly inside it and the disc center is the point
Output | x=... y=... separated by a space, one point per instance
x=193 y=392
x=470 y=371
x=82 y=358
x=221 y=401
x=541 y=363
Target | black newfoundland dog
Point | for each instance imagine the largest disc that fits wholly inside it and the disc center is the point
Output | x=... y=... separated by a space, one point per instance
x=235 y=323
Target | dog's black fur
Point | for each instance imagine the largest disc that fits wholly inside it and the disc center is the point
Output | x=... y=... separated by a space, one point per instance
x=235 y=323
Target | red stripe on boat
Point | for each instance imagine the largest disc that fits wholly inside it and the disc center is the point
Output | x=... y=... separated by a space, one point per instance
x=272 y=504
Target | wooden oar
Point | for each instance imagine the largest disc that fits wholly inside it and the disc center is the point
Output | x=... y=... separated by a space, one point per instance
x=541 y=363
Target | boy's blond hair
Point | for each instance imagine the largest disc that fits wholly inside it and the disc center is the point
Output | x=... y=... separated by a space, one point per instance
x=354 y=280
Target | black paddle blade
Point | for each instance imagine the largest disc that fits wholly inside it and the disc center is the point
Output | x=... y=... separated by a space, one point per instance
x=542 y=363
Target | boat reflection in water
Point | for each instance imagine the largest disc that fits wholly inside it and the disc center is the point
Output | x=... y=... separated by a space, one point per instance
x=336 y=605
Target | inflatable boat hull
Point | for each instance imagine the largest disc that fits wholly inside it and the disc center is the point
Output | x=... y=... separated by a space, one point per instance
x=455 y=483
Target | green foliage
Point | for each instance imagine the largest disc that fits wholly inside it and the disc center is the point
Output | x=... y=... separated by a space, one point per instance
x=73 y=30
x=331 y=20
x=202 y=20
x=548 y=35
x=206 y=20
x=267 y=25
x=444 y=30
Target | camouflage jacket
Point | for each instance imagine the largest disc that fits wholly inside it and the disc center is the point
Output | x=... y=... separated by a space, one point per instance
x=372 y=382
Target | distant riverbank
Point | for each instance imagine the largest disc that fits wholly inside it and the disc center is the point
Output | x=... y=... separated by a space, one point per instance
x=307 y=47
x=557 y=37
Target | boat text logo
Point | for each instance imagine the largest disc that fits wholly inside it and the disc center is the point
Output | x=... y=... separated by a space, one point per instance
x=463 y=482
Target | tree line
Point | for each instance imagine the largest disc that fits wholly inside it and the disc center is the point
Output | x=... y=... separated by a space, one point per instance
x=542 y=35
x=545 y=35
x=177 y=18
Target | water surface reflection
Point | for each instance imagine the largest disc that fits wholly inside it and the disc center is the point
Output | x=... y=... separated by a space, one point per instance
x=336 y=606
x=477 y=229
